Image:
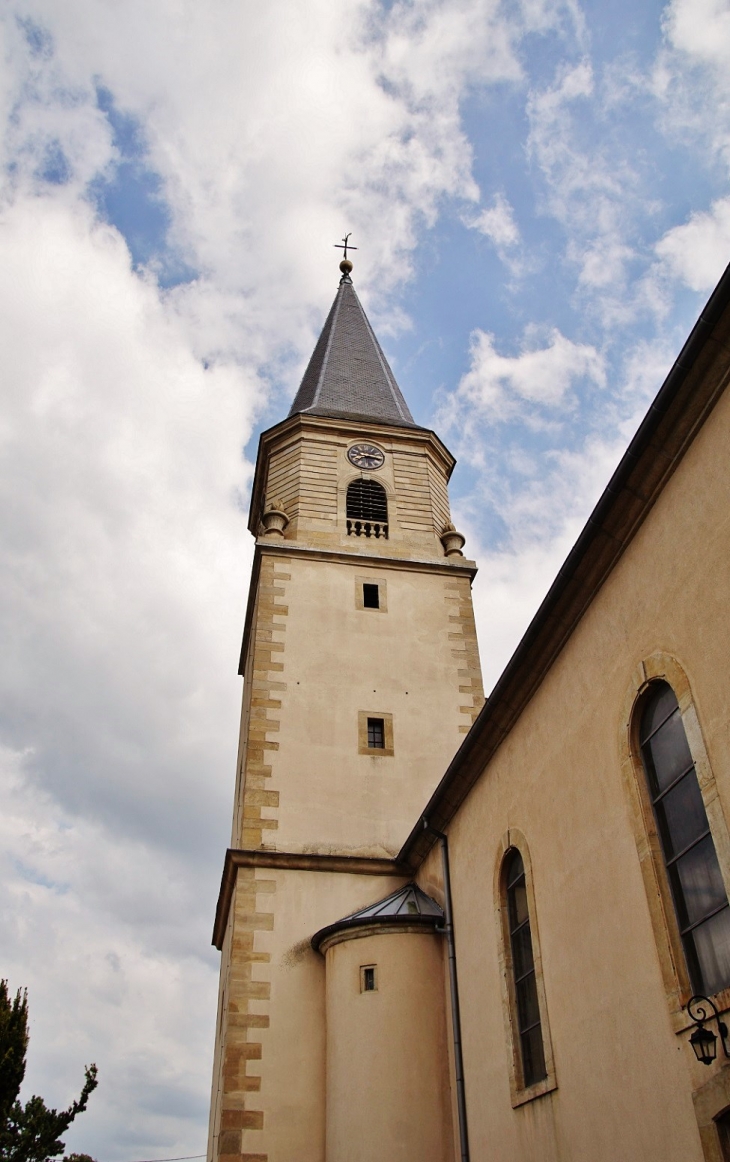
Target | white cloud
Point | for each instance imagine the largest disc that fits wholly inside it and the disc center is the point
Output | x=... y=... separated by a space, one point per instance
x=698 y=251
x=544 y=516
x=123 y=566
x=124 y=562
x=604 y=261
x=115 y=971
x=497 y=223
x=700 y=28
x=316 y=117
x=589 y=190
x=500 y=386
x=274 y=128
x=691 y=79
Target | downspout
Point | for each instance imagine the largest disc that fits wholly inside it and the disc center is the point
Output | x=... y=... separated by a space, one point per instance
x=448 y=931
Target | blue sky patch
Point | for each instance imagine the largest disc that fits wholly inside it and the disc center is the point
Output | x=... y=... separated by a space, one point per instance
x=133 y=199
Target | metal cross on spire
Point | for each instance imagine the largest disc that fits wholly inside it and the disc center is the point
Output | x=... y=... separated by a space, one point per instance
x=347 y=244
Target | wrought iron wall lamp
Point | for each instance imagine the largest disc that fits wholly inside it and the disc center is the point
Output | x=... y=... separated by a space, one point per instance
x=703 y=1040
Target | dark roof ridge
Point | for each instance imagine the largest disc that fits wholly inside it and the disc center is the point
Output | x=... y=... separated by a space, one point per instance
x=335 y=310
x=644 y=469
x=400 y=402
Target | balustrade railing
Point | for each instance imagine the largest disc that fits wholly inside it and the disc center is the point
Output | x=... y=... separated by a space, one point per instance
x=366 y=528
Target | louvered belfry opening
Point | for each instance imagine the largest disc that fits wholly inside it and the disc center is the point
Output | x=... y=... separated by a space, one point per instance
x=367 y=509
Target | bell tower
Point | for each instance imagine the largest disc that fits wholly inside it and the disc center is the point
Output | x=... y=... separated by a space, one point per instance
x=361 y=677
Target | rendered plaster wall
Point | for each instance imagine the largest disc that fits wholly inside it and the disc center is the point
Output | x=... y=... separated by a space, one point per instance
x=270 y=1091
x=323 y=663
x=387 y=1060
x=625 y=1076
x=316 y=660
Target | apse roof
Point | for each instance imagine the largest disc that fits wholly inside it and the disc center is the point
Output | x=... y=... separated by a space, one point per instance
x=407 y=905
x=348 y=376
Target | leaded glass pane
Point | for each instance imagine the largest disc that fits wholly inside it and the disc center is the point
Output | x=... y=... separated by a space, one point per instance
x=523 y=973
x=701 y=881
x=515 y=868
x=660 y=706
x=533 y=1056
x=712 y=947
x=681 y=815
x=522 y=951
x=697 y=886
x=527 y=1005
x=376 y=733
x=518 y=903
x=667 y=754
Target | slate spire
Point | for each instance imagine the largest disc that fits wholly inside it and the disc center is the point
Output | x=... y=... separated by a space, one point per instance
x=348 y=376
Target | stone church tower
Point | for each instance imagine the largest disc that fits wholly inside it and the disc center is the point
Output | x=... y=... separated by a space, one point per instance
x=361 y=678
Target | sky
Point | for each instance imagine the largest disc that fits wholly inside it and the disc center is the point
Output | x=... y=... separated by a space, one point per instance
x=539 y=191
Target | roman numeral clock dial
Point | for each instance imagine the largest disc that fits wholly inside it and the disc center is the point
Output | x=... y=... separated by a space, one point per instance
x=365 y=456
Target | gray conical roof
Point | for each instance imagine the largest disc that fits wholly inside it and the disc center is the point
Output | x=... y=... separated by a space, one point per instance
x=407 y=905
x=407 y=901
x=348 y=376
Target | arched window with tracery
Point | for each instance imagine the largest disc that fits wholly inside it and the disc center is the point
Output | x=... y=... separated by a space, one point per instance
x=697 y=887
x=367 y=509
x=526 y=1017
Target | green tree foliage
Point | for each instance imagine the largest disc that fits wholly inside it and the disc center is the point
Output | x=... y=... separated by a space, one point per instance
x=30 y=1132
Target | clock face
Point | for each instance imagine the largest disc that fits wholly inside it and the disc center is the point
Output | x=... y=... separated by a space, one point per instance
x=365 y=456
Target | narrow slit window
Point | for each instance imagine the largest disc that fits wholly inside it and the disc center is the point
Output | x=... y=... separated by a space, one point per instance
x=368 y=981
x=529 y=1026
x=698 y=890
x=376 y=733
x=370 y=596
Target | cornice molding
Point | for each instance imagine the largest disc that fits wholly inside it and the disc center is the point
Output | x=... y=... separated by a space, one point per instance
x=380 y=431
x=387 y=926
x=291 y=861
x=448 y=566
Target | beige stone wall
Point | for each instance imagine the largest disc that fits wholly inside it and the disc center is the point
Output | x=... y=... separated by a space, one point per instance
x=387 y=1086
x=319 y=663
x=306 y=471
x=254 y=814
x=625 y=1076
x=269 y=1095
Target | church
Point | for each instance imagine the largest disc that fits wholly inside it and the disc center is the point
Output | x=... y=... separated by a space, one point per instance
x=454 y=928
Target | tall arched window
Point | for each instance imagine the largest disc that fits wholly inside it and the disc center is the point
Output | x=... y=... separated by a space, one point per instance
x=698 y=891
x=529 y=1025
x=367 y=509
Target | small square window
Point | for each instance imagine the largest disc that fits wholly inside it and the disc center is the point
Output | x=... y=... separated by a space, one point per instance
x=370 y=596
x=368 y=978
x=376 y=733
x=371 y=592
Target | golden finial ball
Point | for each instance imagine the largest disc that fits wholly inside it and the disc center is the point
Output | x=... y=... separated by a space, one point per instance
x=345 y=266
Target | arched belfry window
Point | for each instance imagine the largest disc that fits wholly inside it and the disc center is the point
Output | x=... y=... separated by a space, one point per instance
x=698 y=890
x=528 y=1025
x=367 y=509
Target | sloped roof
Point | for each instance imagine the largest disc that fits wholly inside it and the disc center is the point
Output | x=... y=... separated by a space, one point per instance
x=348 y=376
x=685 y=400
x=407 y=905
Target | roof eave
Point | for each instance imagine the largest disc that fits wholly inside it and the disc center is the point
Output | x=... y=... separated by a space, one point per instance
x=676 y=415
x=404 y=921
